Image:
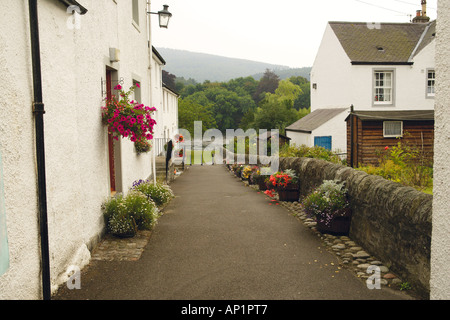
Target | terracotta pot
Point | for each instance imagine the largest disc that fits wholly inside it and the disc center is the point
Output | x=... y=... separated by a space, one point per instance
x=262 y=185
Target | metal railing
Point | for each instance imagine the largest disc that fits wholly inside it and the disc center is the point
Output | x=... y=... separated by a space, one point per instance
x=158 y=144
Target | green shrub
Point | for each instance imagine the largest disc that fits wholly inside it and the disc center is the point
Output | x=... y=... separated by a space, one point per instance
x=159 y=193
x=124 y=215
x=304 y=151
x=141 y=208
x=404 y=163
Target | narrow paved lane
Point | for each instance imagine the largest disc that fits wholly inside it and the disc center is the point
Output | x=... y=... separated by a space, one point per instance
x=221 y=240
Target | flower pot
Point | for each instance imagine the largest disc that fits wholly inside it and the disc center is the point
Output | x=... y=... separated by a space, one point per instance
x=339 y=224
x=262 y=185
x=290 y=195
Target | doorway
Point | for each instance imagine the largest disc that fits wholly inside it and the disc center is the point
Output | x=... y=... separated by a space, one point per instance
x=113 y=145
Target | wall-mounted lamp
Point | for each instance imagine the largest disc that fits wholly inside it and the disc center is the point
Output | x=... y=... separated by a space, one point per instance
x=164 y=16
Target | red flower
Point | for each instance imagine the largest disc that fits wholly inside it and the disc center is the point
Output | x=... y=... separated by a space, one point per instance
x=386 y=148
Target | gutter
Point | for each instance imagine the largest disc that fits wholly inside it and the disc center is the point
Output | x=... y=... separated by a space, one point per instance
x=38 y=111
x=368 y=63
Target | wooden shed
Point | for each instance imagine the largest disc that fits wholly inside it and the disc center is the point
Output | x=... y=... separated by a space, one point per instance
x=369 y=132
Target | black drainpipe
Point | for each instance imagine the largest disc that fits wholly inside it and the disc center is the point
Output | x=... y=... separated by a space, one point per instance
x=38 y=110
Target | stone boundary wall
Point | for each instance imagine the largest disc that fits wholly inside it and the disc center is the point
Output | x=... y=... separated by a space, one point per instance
x=391 y=221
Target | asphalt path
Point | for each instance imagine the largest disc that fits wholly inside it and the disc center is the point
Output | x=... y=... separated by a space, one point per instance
x=221 y=240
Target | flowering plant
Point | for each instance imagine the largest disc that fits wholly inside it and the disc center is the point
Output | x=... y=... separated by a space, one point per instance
x=283 y=180
x=127 y=118
x=327 y=201
x=247 y=171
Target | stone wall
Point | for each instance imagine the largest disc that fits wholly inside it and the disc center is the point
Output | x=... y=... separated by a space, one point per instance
x=391 y=221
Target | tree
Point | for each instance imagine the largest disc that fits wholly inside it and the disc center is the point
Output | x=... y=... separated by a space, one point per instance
x=190 y=111
x=267 y=84
x=276 y=110
x=169 y=79
x=303 y=101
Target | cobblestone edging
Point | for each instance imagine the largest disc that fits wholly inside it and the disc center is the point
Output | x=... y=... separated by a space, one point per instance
x=350 y=254
x=121 y=249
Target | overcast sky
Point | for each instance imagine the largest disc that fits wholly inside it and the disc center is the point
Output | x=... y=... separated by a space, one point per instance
x=283 y=32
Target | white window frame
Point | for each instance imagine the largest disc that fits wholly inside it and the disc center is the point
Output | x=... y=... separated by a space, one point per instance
x=383 y=84
x=390 y=135
x=433 y=86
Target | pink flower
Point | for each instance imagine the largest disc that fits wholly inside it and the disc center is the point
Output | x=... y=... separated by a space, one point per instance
x=118 y=87
x=138 y=85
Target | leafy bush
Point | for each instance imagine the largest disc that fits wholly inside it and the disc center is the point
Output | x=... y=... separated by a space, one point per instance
x=404 y=163
x=141 y=208
x=124 y=215
x=159 y=193
x=304 y=151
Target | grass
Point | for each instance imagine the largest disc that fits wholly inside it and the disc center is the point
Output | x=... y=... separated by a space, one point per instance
x=197 y=156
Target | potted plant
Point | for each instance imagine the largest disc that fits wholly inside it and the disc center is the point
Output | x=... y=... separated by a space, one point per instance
x=246 y=172
x=286 y=184
x=142 y=146
x=260 y=179
x=329 y=205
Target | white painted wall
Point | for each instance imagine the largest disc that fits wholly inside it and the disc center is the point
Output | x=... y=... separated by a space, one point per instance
x=170 y=111
x=440 y=241
x=336 y=128
x=157 y=89
x=299 y=138
x=331 y=73
x=73 y=65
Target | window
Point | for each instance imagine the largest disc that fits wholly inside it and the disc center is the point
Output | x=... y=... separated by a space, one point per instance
x=324 y=142
x=383 y=87
x=137 y=91
x=431 y=81
x=392 y=129
x=135 y=6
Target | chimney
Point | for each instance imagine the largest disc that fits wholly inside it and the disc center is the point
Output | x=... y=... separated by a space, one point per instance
x=424 y=8
x=421 y=15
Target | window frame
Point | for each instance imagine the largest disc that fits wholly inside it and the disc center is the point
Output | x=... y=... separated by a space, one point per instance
x=427 y=84
x=392 y=135
x=375 y=87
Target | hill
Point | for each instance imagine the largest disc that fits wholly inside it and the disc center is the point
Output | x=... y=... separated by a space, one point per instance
x=202 y=66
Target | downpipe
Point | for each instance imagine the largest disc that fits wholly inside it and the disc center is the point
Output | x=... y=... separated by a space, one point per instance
x=38 y=111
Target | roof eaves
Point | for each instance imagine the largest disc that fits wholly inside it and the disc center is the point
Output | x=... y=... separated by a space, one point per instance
x=158 y=55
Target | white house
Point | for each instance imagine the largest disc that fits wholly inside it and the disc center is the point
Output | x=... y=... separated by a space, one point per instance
x=84 y=52
x=371 y=67
x=166 y=103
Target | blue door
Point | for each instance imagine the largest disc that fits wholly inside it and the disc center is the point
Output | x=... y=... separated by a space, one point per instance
x=324 y=142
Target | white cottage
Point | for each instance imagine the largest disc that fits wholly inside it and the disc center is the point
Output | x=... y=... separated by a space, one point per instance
x=84 y=51
x=370 y=67
x=166 y=103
